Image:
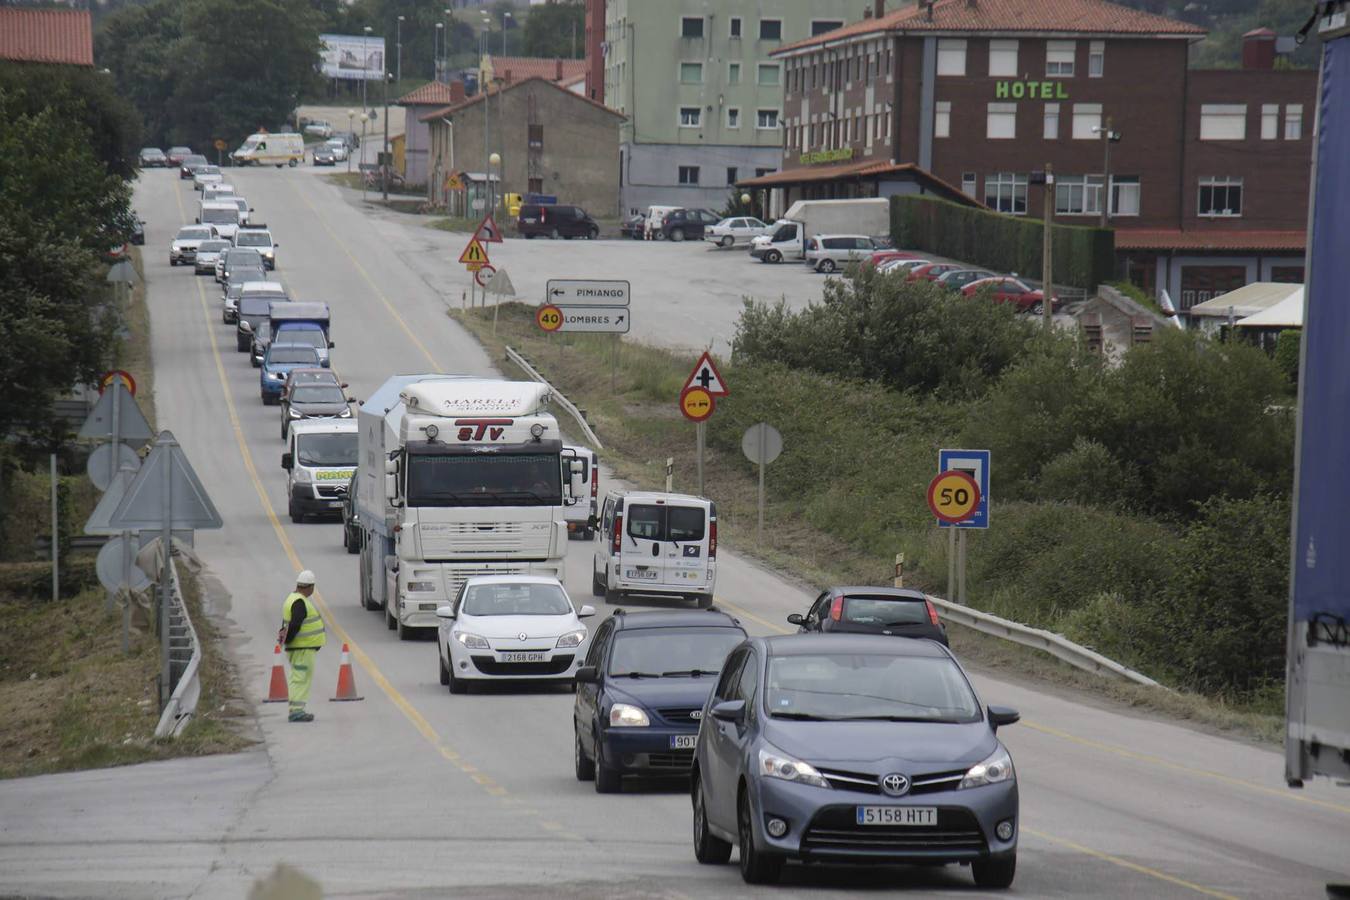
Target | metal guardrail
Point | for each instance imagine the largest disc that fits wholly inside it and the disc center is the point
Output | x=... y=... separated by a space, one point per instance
x=185 y=656
x=1056 y=645
x=566 y=404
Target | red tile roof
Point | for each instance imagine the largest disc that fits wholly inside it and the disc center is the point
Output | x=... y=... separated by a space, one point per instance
x=864 y=169
x=478 y=98
x=1009 y=16
x=433 y=93
x=522 y=67
x=1172 y=239
x=46 y=36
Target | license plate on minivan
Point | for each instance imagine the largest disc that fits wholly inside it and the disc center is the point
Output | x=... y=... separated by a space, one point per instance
x=640 y=574
x=916 y=816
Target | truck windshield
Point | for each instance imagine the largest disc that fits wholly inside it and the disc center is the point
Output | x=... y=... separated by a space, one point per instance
x=518 y=479
x=315 y=450
x=785 y=233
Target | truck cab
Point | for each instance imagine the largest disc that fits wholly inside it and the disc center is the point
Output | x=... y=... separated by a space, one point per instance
x=320 y=460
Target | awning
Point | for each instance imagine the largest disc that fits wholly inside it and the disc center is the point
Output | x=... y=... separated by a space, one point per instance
x=1288 y=313
x=1256 y=297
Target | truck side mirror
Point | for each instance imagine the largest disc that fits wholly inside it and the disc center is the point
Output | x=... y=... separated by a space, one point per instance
x=332 y=344
x=288 y=461
x=390 y=487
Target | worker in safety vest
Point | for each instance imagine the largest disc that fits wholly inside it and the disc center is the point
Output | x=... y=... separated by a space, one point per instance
x=302 y=633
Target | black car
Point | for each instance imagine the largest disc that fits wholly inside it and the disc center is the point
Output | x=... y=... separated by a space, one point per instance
x=556 y=222
x=873 y=610
x=313 y=401
x=352 y=537
x=137 y=230
x=190 y=165
x=959 y=278
x=641 y=691
x=324 y=155
x=152 y=158
x=687 y=224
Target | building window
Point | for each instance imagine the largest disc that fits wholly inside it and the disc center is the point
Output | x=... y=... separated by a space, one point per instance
x=760 y=173
x=766 y=119
x=735 y=27
x=1293 y=121
x=691 y=26
x=1001 y=123
x=1220 y=195
x=770 y=29
x=1059 y=59
x=942 y=119
x=691 y=73
x=1124 y=195
x=1051 y=121
x=690 y=117
x=1270 y=121
x=734 y=73
x=733 y=117
x=968 y=184
x=951 y=56
x=1086 y=116
x=820 y=26
x=768 y=75
x=535 y=136
x=1078 y=195
x=731 y=174
x=1223 y=121
x=1006 y=192
x=1003 y=59
x=688 y=174
x=1096 y=59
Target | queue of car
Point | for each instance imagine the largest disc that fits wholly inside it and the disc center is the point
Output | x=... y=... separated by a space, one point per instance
x=859 y=739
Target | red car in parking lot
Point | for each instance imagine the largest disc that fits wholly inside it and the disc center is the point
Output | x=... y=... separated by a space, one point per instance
x=881 y=256
x=1006 y=289
x=930 y=272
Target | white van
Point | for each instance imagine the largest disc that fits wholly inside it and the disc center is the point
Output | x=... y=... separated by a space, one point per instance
x=281 y=149
x=222 y=215
x=319 y=461
x=581 y=516
x=655 y=215
x=655 y=544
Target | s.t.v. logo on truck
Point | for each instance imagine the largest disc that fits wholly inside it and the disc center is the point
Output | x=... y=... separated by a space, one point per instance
x=477 y=429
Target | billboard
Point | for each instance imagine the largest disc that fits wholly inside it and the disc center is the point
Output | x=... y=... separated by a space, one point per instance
x=352 y=57
x=1318 y=678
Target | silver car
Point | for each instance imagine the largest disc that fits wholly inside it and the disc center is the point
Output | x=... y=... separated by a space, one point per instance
x=183 y=250
x=736 y=230
x=831 y=252
x=207 y=254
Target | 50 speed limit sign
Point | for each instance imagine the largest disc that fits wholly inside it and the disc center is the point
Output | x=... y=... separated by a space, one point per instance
x=953 y=497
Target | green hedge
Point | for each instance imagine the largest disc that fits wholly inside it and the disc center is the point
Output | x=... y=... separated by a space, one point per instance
x=1083 y=257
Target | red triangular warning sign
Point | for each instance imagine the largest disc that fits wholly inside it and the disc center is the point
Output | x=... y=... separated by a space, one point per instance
x=488 y=232
x=706 y=376
x=474 y=254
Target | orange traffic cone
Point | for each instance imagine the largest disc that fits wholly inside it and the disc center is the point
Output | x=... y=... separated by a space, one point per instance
x=278 y=692
x=346 y=686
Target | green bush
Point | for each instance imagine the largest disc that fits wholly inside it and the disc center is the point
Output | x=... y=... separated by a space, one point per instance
x=1083 y=257
x=1287 y=352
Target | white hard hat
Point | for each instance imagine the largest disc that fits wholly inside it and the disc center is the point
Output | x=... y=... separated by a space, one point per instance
x=304 y=579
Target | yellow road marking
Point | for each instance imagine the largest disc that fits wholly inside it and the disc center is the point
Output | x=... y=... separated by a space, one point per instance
x=747 y=614
x=369 y=281
x=1132 y=866
x=420 y=722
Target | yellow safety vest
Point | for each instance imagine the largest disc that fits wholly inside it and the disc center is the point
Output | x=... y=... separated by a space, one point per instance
x=311 y=634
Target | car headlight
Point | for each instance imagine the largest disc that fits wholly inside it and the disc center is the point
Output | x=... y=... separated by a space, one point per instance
x=422 y=586
x=997 y=768
x=622 y=715
x=293 y=413
x=775 y=764
x=572 y=638
x=274 y=376
x=302 y=476
x=471 y=641
x=346 y=413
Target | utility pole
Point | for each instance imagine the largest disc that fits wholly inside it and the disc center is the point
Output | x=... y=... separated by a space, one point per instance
x=1109 y=137
x=365 y=61
x=436 y=52
x=398 y=42
x=385 y=156
x=1047 y=263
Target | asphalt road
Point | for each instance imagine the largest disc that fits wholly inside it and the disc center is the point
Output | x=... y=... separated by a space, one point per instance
x=413 y=792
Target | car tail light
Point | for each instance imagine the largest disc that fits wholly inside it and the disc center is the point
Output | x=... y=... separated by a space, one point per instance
x=543 y=215
x=837 y=609
x=932 y=611
x=712 y=540
x=595 y=481
x=618 y=533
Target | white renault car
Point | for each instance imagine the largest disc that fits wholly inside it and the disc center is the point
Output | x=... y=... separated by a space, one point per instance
x=736 y=230
x=510 y=628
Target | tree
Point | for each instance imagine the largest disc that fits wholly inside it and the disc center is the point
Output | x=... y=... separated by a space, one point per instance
x=556 y=30
x=90 y=98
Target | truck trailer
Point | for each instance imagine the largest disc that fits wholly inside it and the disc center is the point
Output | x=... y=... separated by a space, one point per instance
x=457 y=476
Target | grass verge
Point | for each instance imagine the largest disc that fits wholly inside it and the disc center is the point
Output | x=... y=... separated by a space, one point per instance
x=134 y=353
x=636 y=416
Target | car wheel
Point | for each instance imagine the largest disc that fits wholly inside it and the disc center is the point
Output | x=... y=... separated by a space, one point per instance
x=995 y=872
x=353 y=544
x=827 y=266
x=705 y=601
x=283 y=428
x=678 y=235
x=389 y=623
x=607 y=779
x=726 y=241
x=592 y=234
x=584 y=767
x=456 y=685
x=612 y=596
x=659 y=235
x=240 y=345
x=773 y=256
x=292 y=164
x=405 y=633
x=253 y=361
x=297 y=517
x=1037 y=308
x=757 y=867
x=172 y=261
x=445 y=673
x=597 y=584
x=709 y=849
x=554 y=235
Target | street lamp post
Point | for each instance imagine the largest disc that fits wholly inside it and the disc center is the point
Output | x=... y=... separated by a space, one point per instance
x=351 y=114
x=398 y=42
x=365 y=61
x=365 y=119
x=386 y=156
x=494 y=161
x=505 y=16
x=1109 y=137
x=436 y=52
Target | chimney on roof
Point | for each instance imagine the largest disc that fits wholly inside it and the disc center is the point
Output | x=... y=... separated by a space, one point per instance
x=867 y=12
x=1258 y=49
x=878 y=9
x=506 y=79
x=457 y=94
x=928 y=9
x=972 y=4
x=557 y=70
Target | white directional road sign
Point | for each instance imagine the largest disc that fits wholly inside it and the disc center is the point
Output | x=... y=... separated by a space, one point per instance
x=595 y=319
x=575 y=292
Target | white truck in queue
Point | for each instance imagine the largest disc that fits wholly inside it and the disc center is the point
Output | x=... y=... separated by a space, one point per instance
x=457 y=476
x=804 y=219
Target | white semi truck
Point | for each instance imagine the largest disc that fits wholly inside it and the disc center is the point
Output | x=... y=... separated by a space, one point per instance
x=457 y=476
x=786 y=239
